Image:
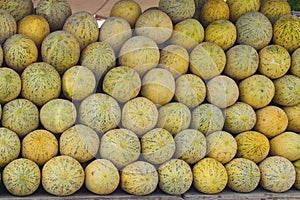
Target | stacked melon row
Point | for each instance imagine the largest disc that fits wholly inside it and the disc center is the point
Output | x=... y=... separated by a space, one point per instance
x=165 y=98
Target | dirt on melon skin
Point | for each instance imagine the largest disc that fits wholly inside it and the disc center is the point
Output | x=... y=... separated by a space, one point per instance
x=213 y=10
x=10 y=146
x=287 y=90
x=8 y=25
x=55 y=12
x=101 y=177
x=139 y=178
x=18 y=8
x=221 y=146
x=120 y=146
x=286 y=32
x=122 y=82
x=190 y=90
x=210 y=176
x=207 y=118
x=187 y=33
x=21 y=177
x=239 y=117
x=274 y=61
x=293 y=115
x=252 y=145
x=274 y=9
x=190 y=145
x=60 y=49
x=175 y=177
x=297 y=168
x=40 y=83
x=287 y=145
x=10 y=84
x=174 y=117
x=140 y=53
x=243 y=175
x=21 y=116
x=139 y=115
x=207 y=60
x=100 y=112
x=57 y=115
x=62 y=176
x=80 y=142
x=277 y=174
x=78 y=82
x=158 y=146
x=295 y=65
x=39 y=146
x=240 y=7
x=257 y=91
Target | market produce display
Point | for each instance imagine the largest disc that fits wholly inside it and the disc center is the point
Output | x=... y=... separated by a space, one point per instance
x=188 y=95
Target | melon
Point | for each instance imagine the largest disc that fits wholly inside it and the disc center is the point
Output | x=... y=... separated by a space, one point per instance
x=1 y=56
x=277 y=174
x=122 y=82
x=83 y=26
x=127 y=9
x=187 y=33
x=271 y=120
x=98 y=57
x=293 y=115
x=190 y=90
x=55 y=12
x=286 y=144
x=78 y=82
x=274 y=9
x=10 y=86
x=57 y=115
x=154 y=24
x=257 y=90
x=238 y=8
x=174 y=117
x=252 y=145
x=274 y=61
x=101 y=177
x=8 y=25
x=139 y=178
x=295 y=63
x=174 y=58
x=286 y=32
x=239 y=117
x=100 y=112
x=158 y=146
x=243 y=175
x=20 y=116
x=139 y=115
x=120 y=146
x=36 y=27
x=222 y=91
x=40 y=83
x=79 y=142
x=21 y=177
x=287 y=90
x=140 y=53
x=60 y=49
x=207 y=118
x=39 y=146
x=158 y=85
x=178 y=10
x=213 y=10
x=10 y=146
x=175 y=177
x=210 y=176
x=222 y=32
x=190 y=145
x=221 y=146
x=115 y=31
x=241 y=62
x=62 y=176
x=297 y=168
x=18 y=9
x=207 y=60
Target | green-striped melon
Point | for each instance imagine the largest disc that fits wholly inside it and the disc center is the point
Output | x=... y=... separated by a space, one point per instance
x=213 y=10
x=8 y=25
x=10 y=84
x=18 y=8
x=274 y=9
x=240 y=7
x=295 y=64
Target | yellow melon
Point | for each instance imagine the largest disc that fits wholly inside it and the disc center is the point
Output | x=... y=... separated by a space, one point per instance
x=10 y=86
x=240 y=7
x=295 y=65
x=274 y=9
x=293 y=115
